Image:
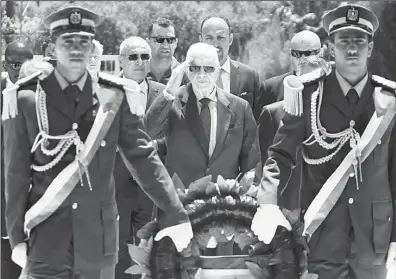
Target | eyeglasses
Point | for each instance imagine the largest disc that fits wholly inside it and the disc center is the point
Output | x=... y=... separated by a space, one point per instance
x=135 y=57
x=197 y=69
x=14 y=65
x=299 y=53
x=161 y=40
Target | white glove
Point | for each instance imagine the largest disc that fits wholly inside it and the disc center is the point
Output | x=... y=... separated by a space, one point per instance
x=181 y=235
x=391 y=259
x=266 y=220
x=19 y=254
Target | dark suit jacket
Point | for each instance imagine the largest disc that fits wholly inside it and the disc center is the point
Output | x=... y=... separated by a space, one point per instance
x=3 y=225
x=134 y=205
x=272 y=92
x=245 y=82
x=93 y=225
x=268 y=124
x=368 y=210
x=179 y=122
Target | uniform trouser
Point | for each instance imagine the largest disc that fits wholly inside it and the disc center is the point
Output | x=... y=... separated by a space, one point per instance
x=9 y=270
x=66 y=270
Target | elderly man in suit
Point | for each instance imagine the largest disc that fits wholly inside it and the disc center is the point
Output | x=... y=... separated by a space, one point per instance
x=16 y=53
x=235 y=77
x=345 y=127
x=60 y=145
x=304 y=43
x=134 y=206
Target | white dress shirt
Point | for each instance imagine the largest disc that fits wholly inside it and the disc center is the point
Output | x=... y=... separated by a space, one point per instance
x=225 y=75
x=9 y=83
x=345 y=86
x=213 y=116
x=142 y=97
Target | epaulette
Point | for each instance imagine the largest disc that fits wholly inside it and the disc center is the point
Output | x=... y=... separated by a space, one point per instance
x=386 y=84
x=10 y=104
x=313 y=76
x=110 y=80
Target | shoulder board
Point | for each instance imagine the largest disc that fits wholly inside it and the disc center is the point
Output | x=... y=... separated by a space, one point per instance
x=384 y=83
x=313 y=76
x=111 y=80
x=26 y=81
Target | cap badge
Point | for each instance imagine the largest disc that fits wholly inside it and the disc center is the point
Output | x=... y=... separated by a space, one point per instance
x=352 y=15
x=75 y=18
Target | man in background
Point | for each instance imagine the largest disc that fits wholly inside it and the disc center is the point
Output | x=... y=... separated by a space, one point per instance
x=134 y=206
x=235 y=77
x=304 y=43
x=16 y=53
x=163 y=42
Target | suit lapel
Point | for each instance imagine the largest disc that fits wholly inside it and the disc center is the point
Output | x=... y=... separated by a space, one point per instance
x=152 y=93
x=56 y=98
x=193 y=121
x=224 y=115
x=234 y=78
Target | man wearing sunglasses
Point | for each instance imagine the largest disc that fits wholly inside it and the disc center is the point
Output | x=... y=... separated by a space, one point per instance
x=16 y=53
x=163 y=42
x=134 y=206
x=343 y=120
x=304 y=43
x=208 y=131
x=235 y=77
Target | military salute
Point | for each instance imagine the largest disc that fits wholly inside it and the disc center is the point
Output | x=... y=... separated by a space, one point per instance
x=61 y=136
x=344 y=121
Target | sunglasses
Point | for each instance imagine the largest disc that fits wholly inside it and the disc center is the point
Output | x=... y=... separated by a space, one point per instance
x=161 y=40
x=299 y=54
x=14 y=65
x=197 y=69
x=135 y=57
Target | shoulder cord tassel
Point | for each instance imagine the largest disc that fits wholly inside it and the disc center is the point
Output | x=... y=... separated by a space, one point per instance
x=65 y=141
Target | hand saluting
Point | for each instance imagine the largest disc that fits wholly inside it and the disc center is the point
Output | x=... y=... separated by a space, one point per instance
x=177 y=76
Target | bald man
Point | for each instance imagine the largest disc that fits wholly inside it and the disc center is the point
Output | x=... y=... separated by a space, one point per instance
x=235 y=77
x=303 y=44
x=134 y=206
x=15 y=55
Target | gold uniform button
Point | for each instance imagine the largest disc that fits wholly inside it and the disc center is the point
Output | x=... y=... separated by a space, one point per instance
x=379 y=142
x=75 y=205
x=118 y=217
x=352 y=174
x=74 y=126
x=94 y=113
x=350 y=200
x=103 y=143
x=389 y=218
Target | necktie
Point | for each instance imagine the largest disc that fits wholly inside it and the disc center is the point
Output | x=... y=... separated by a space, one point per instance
x=205 y=119
x=352 y=98
x=73 y=93
x=219 y=80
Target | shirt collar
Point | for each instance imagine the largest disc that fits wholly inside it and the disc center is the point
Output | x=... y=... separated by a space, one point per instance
x=64 y=83
x=226 y=66
x=345 y=86
x=211 y=96
x=9 y=82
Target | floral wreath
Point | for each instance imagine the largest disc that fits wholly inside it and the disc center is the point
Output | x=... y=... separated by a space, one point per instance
x=220 y=212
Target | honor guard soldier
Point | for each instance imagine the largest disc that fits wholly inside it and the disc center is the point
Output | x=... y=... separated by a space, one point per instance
x=343 y=118
x=61 y=133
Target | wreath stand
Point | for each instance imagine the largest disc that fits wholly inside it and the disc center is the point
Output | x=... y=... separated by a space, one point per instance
x=221 y=212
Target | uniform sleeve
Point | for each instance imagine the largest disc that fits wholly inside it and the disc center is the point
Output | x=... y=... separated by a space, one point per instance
x=265 y=133
x=144 y=164
x=249 y=156
x=392 y=178
x=17 y=162
x=282 y=156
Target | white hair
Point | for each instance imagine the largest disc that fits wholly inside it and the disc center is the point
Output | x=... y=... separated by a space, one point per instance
x=132 y=42
x=203 y=49
x=97 y=46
